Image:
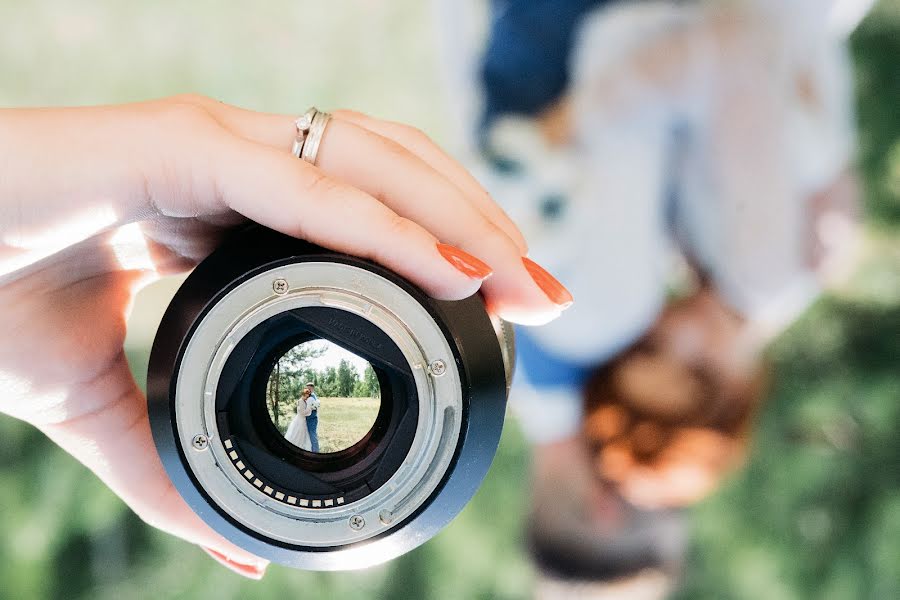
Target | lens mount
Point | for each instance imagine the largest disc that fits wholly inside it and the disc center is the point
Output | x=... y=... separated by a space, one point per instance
x=292 y=519
x=444 y=374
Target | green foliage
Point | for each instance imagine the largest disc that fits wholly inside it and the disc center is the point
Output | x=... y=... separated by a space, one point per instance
x=811 y=515
x=876 y=46
x=326 y=381
x=347 y=379
x=370 y=381
x=288 y=378
x=293 y=371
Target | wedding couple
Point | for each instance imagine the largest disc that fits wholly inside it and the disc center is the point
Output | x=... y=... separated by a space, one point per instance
x=303 y=430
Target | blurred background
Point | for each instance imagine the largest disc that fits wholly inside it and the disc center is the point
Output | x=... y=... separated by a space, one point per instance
x=816 y=513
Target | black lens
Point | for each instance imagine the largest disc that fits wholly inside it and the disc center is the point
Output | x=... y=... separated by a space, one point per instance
x=345 y=468
x=391 y=472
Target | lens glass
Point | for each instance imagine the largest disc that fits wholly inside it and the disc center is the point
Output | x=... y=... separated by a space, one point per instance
x=321 y=397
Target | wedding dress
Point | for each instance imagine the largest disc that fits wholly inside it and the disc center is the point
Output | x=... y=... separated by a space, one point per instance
x=297 y=433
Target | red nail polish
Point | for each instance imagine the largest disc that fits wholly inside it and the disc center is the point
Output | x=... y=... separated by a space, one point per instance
x=465 y=262
x=557 y=293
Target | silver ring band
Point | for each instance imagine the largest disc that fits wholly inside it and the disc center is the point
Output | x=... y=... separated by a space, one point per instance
x=303 y=123
x=310 y=148
x=297 y=147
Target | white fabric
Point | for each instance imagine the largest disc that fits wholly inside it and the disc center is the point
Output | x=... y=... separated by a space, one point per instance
x=760 y=95
x=297 y=433
x=608 y=246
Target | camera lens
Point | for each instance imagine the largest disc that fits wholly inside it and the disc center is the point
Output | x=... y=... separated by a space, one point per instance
x=291 y=472
x=386 y=445
x=310 y=374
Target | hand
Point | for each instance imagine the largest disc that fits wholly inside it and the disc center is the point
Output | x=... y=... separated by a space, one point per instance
x=97 y=202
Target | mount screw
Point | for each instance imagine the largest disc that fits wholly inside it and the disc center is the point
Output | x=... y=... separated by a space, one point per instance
x=200 y=442
x=280 y=286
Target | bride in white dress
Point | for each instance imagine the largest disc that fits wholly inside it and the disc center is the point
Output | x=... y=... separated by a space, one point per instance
x=297 y=433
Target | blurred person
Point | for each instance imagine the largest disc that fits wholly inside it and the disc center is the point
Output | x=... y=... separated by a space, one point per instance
x=312 y=420
x=647 y=150
x=668 y=417
x=297 y=432
x=147 y=189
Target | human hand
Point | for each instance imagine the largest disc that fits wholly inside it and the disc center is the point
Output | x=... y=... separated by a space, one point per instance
x=97 y=202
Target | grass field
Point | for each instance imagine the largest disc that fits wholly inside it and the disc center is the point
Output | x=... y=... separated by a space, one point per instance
x=344 y=421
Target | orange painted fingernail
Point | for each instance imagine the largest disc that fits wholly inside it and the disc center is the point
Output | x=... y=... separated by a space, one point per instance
x=250 y=571
x=464 y=262
x=557 y=293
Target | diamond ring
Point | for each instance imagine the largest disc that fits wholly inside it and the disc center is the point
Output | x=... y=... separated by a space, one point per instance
x=310 y=128
x=302 y=124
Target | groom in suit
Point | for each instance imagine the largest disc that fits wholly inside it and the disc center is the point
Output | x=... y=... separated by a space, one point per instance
x=312 y=421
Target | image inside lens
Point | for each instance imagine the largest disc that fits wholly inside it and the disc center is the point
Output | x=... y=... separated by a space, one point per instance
x=321 y=397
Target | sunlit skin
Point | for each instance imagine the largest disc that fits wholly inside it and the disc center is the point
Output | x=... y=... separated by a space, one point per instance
x=97 y=202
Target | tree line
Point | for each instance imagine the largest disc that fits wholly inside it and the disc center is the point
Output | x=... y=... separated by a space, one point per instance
x=293 y=371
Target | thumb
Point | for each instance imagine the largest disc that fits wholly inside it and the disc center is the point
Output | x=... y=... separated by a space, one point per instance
x=113 y=440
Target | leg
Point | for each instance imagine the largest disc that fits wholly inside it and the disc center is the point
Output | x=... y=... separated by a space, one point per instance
x=312 y=424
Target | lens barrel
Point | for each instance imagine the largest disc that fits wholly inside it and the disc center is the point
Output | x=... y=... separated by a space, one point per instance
x=443 y=370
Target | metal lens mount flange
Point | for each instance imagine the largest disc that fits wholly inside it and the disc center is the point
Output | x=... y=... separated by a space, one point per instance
x=445 y=368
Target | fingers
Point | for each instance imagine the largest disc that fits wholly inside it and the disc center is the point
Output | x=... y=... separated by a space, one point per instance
x=248 y=571
x=277 y=131
x=296 y=198
x=382 y=198
x=406 y=184
x=115 y=443
x=421 y=145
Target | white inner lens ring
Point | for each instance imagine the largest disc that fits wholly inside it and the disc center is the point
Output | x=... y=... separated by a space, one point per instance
x=384 y=304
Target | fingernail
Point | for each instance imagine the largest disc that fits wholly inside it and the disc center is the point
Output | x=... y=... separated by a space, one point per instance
x=250 y=571
x=557 y=293
x=464 y=262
